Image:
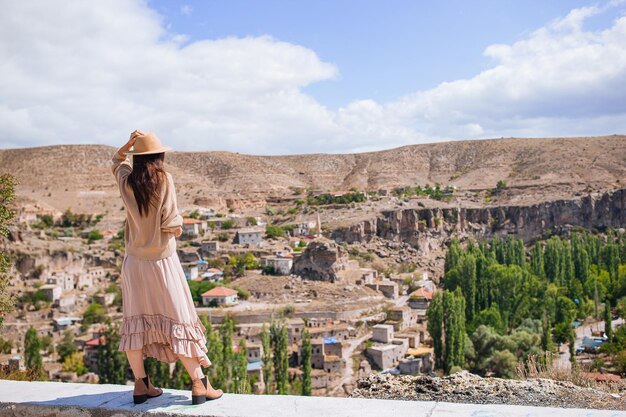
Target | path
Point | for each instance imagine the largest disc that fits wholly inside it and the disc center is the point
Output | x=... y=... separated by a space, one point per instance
x=563 y=360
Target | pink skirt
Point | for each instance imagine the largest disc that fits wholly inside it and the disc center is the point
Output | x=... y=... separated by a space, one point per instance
x=159 y=314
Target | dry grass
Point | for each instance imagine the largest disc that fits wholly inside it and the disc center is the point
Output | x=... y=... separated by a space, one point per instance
x=544 y=367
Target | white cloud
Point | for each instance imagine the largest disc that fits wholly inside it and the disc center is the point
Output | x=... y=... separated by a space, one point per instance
x=90 y=72
x=186 y=10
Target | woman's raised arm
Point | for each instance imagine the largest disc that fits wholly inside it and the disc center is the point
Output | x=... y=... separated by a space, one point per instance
x=121 y=166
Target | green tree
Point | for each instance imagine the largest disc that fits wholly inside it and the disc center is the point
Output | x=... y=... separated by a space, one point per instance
x=112 y=364
x=274 y=232
x=241 y=385
x=608 y=325
x=7 y=195
x=435 y=327
x=32 y=350
x=306 y=363
x=215 y=353
x=159 y=372
x=228 y=354
x=280 y=344
x=228 y=224
x=75 y=363
x=268 y=360
x=95 y=313
x=67 y=345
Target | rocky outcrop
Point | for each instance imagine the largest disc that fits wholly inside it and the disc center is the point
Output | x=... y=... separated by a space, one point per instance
x=464 y=387
x=321 y=260
x=425 y=228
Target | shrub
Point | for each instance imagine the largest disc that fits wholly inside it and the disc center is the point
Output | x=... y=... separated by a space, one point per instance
x=228 y=224
x=274 y=232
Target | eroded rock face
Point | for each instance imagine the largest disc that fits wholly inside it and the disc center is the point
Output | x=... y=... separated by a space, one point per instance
x=425 y=228
x=321 y=260
x=464 y=387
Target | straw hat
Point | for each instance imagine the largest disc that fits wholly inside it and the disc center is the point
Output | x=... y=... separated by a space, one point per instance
x=147 y=144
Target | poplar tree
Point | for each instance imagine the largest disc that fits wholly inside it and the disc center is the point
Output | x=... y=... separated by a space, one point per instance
x=306 y=363
x=215 y=353
x=228 y=355
x=7 y=195
x=281 y=360
x=608 y=325
x=537 y=262
x=32 y=348
x=112 y=364
x=434 y=325
x=467 y=270
x=241 y=385
x=268 y=361
x=452 y=256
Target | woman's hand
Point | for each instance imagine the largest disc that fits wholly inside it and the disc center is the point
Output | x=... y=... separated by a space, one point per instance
x=131 y=141
x=178 y=232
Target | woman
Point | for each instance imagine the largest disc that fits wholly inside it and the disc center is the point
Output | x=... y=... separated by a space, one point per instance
x=160 y=319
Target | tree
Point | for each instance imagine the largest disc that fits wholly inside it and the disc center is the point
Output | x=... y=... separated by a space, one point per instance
x=228 y=354
x=159 y=372
x=7 y=195
x=268 y=361
x=306 y=363
x=67 y=345
x=215 y=353
x=280 y=344
x=608 y=326
x=228 y=224
x=435 y=326
x=241 y=385
x=112 y=364
x=94 y=314
x=32 y=347
x=75 y=363
x=274 y=232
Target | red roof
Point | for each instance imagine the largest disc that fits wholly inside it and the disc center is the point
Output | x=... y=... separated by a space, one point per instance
x=97 y=341
x=214 y=270
x=188 y=220
x=602 y=377
x=219 y=292
x=422 y=292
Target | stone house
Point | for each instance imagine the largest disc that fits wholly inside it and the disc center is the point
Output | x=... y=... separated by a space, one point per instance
x=220 y=296
x=61 y=279
x=251 y=236
x=191 y=271
x=382 y=333
x=210 y=246
x=388 y=355
x=325 y=354
x=52 y=292
x=387 y=287
x=193 y=227
x=255 y=352
x=105 y=299
x=282 y=265
x=420 y=299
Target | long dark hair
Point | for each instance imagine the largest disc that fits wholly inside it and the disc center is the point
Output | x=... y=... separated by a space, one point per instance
x=145 y=180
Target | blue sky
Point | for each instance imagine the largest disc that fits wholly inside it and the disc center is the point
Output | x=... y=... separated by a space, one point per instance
x=284 y=77
x=382 y=49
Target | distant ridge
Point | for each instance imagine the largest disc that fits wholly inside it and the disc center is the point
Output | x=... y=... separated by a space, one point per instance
x=569 y=164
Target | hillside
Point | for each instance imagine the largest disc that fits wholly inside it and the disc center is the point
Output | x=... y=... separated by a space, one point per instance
x=78 y=176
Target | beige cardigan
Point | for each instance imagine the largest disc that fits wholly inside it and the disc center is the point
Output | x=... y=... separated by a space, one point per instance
x=151 y=236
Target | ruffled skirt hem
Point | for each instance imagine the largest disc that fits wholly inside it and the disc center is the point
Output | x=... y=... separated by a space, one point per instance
x=162 y=338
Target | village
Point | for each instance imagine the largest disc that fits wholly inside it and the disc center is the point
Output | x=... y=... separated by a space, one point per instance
x=361 y=319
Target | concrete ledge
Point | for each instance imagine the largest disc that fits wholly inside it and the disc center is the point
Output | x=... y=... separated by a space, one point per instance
x=39 y=399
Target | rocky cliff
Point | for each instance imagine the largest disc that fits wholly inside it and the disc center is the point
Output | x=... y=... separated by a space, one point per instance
x=321 y=260
x=427 y=228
